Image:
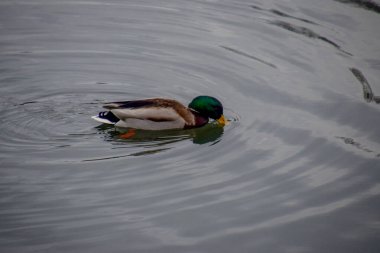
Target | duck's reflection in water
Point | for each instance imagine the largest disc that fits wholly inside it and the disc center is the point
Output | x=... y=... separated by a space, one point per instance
x=157 y=141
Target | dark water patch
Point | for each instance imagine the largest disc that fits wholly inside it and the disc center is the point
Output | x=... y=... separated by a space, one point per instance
x=256 y=7
x=283 y=14
x=149 y=152
x=351 y=141
x=365 y=4
x=307 y=33
x=248 y=56
x=141 y=153
x=105 y=158
x=367 y=90
x=30 y=102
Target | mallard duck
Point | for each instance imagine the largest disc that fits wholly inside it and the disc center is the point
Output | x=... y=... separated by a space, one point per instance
x=162 y=113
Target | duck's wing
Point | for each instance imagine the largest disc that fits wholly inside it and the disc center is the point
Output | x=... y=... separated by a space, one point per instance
x=156 y=109
x=135 y=104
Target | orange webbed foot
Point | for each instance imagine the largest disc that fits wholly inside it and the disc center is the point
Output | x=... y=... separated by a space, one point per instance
x=131 y=132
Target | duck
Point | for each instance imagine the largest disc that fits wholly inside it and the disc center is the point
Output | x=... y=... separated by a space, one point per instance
x=162 y=113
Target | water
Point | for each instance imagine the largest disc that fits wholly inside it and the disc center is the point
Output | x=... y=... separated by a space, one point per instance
x=296 y=170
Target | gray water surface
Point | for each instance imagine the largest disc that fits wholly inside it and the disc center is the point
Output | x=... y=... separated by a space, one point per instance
x=296 y=170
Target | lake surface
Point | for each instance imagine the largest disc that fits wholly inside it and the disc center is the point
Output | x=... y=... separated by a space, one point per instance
x=296 y=170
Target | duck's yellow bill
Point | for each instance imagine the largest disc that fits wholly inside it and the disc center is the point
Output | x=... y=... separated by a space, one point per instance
x=222 y=120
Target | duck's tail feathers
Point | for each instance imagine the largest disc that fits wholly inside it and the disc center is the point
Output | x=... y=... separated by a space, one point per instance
x=106 y=117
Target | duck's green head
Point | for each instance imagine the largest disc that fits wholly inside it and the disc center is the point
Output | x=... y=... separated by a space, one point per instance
x=209 y=107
